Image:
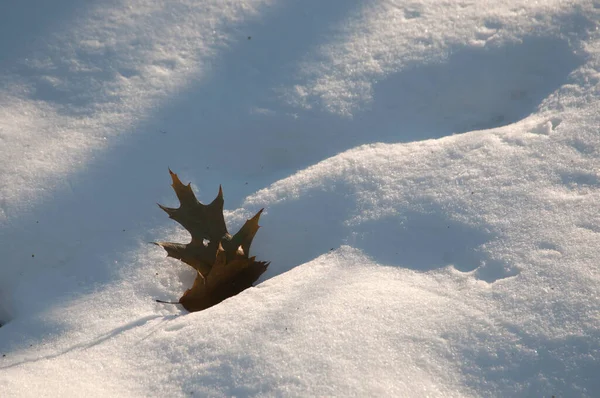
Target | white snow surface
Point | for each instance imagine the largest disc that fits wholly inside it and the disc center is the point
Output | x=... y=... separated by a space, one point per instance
x=430 y=173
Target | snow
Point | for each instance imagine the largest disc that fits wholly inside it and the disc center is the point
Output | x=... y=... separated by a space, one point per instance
x=429 y=172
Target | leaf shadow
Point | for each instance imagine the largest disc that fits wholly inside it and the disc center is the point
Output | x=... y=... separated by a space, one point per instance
x=85 y=345
x=425 y=241
x=422 y=240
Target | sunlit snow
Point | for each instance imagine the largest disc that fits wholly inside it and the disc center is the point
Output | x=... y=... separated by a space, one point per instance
x=430 y=173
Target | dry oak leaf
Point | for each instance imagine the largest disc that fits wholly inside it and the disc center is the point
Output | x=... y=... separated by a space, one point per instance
x=221 y=260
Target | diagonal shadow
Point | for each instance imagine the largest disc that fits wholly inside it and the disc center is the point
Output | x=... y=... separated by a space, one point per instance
x=31 y=21
x=235 y=129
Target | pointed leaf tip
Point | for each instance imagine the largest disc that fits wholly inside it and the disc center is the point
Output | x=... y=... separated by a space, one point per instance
x=257 y=215
x=167 y=210
x=177 y=184
x=175 y=179
x=219 y=200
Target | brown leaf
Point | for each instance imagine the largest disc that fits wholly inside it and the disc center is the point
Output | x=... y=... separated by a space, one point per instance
x=226 y=279
x=222 y=261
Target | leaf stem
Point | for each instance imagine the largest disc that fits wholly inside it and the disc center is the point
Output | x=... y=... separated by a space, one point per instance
x=167 y=302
